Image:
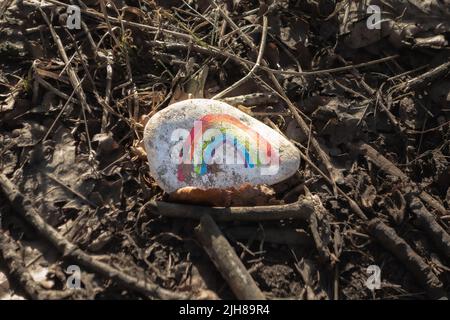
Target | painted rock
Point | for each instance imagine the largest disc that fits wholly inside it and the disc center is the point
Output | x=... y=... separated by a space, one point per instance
x=209 y=144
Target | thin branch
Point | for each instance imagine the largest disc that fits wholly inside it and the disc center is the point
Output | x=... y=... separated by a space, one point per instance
x=255 y=66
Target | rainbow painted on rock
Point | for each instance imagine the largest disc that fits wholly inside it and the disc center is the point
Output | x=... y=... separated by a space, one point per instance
x=253 y=149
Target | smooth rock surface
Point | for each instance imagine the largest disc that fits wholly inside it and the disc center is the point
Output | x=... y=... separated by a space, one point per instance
x=209 y=144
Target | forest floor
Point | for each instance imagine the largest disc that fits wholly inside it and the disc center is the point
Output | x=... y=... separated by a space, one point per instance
x=366 y=103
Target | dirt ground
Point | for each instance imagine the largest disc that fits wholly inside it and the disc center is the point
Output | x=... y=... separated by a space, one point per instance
x=366 y=101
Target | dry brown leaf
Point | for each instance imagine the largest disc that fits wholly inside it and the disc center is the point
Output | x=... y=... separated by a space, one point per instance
x=246 y=195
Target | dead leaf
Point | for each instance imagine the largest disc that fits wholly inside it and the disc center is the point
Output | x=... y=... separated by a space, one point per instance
x=11 y=97
x=396 y=205
x=246 y=195
x=106 y=143
x=56 y=168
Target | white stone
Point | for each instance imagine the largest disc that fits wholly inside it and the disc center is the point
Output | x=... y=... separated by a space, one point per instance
x=209 y=144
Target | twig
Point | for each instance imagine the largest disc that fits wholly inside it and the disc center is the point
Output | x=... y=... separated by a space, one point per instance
x=89 y=37
x=324 y=253
x=244 y=36
x=57 y=92
x=4 y=6
x=252 y=99
x=108 y=23
x=351 y=202
x=303 y=209
x=60 y=113
x=209 y=49
x=292 y=108
x=415 y=264
x=378 y=96
x=65 y=187
x=69 y=250
x=255 y=66
x=227 y=262
x=307 y=132
x=425 y=78
x=109 y=75
x=72 y=76
x=18 y=271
